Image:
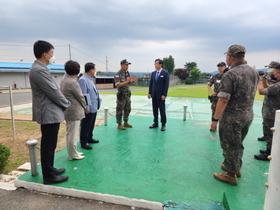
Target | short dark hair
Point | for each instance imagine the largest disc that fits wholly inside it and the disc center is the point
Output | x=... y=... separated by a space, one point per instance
x=239 y=55
x=41 y=47
x=159 y=61
x=89 y=66
x=72 y=67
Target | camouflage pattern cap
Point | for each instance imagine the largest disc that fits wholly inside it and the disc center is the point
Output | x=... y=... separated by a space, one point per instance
x=233 y=50
x=272 y=64
x=124 y=61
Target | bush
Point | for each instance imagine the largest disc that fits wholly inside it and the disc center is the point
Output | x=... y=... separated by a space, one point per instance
x=4 y=155
x=189 y=81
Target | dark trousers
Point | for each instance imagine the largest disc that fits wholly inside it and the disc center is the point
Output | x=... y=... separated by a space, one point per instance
x=48 y=145
x=159 y=104
x=87 y=126
x=268 y=134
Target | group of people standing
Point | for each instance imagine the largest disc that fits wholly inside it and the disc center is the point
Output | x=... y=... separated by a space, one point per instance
x=232 y=105
x=76 y=102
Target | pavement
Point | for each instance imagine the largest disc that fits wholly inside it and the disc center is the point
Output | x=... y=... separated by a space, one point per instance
x=32 y=200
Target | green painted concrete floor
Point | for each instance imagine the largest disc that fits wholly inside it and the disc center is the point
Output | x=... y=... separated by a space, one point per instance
x=176 y=165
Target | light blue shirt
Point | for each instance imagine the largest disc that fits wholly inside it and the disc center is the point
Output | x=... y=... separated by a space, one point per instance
x=90 y=91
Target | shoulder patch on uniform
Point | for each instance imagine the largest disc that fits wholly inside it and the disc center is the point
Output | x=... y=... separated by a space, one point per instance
x=117 y=76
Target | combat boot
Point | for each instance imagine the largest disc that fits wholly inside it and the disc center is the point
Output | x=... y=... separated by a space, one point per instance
x=227 y=177
x=127 y=125
x=238 y=174
x=120 y=126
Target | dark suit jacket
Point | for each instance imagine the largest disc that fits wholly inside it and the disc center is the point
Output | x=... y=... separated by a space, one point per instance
x=159 y=88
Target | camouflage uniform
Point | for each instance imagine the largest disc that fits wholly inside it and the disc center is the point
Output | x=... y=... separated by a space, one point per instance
x=123 y=97
x=216 y=79
x=271 y=103
x=238 y=85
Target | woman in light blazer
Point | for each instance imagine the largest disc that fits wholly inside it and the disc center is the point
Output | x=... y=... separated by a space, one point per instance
x=70 y=88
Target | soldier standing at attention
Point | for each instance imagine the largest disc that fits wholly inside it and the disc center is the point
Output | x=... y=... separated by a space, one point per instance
x=122 y=80
x=215 y=80
x=234 y=110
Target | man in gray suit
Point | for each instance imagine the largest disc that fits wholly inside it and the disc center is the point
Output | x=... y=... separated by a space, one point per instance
x=48 y=105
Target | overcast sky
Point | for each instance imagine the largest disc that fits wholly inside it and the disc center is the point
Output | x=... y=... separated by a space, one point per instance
x=190 y=30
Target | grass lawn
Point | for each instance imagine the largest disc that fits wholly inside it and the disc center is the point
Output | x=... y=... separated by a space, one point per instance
x=197 y=92
x=19 y=153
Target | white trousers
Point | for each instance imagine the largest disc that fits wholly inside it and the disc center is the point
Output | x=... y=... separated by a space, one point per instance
x=72 y=131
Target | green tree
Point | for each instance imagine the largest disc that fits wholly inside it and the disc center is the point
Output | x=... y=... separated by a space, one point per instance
x=195 y=74
x=182 y=74
x=205 y=74
x=168 y=64
x=190 y=65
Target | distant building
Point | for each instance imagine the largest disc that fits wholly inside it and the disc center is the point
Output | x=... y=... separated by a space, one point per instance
x=17 y=75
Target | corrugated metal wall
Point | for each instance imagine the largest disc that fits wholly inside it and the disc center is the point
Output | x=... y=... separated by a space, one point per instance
x=21 y=79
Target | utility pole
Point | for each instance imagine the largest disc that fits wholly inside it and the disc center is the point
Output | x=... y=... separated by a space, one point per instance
x=69 y=51
x=106 y=65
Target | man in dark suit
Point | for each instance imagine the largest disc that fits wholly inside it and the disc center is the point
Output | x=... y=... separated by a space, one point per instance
x=158 y=92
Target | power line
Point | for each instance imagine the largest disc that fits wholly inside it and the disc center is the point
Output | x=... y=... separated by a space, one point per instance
x=31 y=45
x=93 y=57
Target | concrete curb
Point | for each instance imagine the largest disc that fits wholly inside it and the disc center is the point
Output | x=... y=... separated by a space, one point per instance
x=90 y=195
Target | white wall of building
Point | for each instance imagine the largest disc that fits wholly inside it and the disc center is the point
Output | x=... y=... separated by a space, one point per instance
x=21 y=79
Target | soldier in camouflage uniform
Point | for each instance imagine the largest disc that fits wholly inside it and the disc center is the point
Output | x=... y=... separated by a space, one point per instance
x=271 y=103
x=122 y=79
x=235 y=111
x=215 y=80
x=269 y=81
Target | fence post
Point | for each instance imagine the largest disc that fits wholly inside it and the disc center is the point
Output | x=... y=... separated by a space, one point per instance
x=106 y=115
x=185 y=112
x=33 y=157
x=12 y=112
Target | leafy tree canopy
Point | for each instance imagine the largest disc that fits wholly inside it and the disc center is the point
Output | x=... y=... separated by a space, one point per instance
x=195 y=74
x=182 y=74
x=168 y=64
x=190 y=65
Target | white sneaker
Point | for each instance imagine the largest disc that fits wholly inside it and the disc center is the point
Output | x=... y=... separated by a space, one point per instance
x=77 y=157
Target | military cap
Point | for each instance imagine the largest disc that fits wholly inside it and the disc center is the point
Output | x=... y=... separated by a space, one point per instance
x=272 y=64
x=221 y=64
x=124 y=61
x=236 y=49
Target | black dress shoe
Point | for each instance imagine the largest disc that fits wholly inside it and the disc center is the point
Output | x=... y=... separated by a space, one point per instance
x=261 y=139
x=86 y=146
x=154 y=125
x=263 y=151
x=92 y=141
x=162 y=128
x=55 y=179
x=59 y=171
x=261 y=157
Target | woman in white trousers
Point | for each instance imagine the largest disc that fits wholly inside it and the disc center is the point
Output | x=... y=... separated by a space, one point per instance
x=70 y=88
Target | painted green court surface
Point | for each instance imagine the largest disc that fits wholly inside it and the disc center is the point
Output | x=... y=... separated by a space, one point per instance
x=176 y=165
